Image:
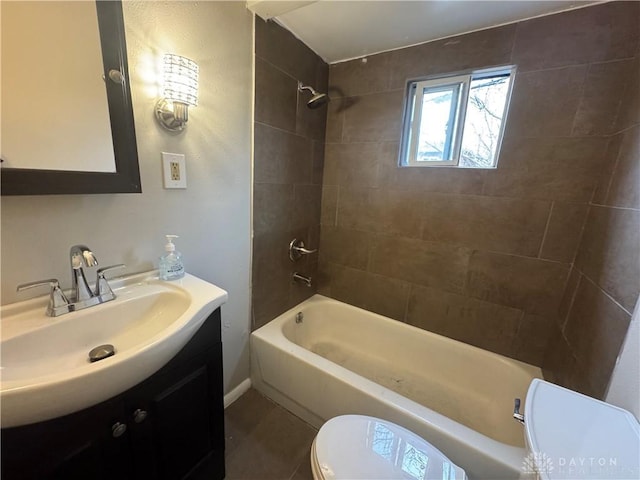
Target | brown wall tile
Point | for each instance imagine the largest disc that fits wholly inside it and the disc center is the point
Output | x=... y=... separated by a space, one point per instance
x=306 y=206
x=568 y=296
x=559 y=364
x=431 y=179
x=335 y=120
x=595 y=331
x=505 y=225
x=601 y=99
x=609 y=253
x=586 y=383
x=276 y=97
x=276 y=207
x=281 y=157
x=360 y=77
x=354 y=211
x=609 y=161
x=624 y=190
x=630 y=109
x=547 y=168
x=544 y=103
x=375 y=293
x=310 y=122
x=425 y=263
x=345 y=247
x=270 y=277
x=481 y=49
x=324 y=278
x=483 y=324
x=393 y=212
x=532 y=339
x=602 y=32
x=288 y=163
x=317 y=155
x=374 y=118
x=564 y=231
x=282 y=49
x=298 y=292
x=532 y=285
x=354 y=164
x=329 y=208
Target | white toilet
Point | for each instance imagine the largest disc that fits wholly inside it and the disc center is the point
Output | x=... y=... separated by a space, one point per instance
x=572 y=436
x=359 y=447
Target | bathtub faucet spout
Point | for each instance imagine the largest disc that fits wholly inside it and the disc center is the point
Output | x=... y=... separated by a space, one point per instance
x=298 y=278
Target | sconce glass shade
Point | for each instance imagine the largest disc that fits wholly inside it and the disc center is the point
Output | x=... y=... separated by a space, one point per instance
x=180 y=79
x=179 y=90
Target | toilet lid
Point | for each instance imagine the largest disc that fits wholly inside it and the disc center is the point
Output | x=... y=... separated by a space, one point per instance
x=361 y=447
x=570 y=435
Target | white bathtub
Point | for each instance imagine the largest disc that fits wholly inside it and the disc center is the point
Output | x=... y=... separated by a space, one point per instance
x=341 y=359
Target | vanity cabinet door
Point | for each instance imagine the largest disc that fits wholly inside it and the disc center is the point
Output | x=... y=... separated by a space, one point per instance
x=183 y=429
x=177 y=436
x=78 y=446
x=180 y=435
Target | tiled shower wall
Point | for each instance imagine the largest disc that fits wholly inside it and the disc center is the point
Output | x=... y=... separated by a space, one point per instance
x=484 y=256
x=604 y=283
x=288 y=163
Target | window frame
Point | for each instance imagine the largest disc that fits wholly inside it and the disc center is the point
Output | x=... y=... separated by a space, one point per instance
x=413 y=114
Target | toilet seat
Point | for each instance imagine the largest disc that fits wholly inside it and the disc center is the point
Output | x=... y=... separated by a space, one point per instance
x=368 y=448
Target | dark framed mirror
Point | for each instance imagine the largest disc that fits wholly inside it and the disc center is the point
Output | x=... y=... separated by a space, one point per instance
x=126 y=175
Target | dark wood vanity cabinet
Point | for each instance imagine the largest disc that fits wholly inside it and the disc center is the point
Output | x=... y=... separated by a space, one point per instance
x=170 y=426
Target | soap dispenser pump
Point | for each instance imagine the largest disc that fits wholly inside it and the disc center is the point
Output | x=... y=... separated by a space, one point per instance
x=170 y=265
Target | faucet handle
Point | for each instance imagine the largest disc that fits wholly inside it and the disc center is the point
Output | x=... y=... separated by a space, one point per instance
x=58 y=302
x=297 y=250
x=101 y=271
x=103 y=290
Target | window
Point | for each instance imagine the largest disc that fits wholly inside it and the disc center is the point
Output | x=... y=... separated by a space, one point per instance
x=456 y=120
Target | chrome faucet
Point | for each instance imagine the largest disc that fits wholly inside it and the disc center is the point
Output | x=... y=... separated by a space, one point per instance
x=80 y=257
x=81 y=296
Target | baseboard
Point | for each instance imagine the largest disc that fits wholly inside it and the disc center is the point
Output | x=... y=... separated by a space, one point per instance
x=237 y=392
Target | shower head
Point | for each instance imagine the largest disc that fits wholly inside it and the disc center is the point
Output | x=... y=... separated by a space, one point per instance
x=317 y=99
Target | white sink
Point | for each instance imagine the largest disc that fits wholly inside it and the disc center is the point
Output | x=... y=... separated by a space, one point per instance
x=45 y=370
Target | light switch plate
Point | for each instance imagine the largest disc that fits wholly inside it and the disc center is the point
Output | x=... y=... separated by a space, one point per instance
x=174 y=170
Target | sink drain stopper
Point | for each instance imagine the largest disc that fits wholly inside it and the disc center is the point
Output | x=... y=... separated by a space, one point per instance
x=101 y=352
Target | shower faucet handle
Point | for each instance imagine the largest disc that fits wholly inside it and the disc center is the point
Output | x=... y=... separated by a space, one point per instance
x=297 y=250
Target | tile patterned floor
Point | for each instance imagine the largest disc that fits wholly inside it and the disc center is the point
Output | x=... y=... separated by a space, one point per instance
x=266 y=442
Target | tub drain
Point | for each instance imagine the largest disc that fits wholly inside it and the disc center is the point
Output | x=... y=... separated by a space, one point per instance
x=101 y=352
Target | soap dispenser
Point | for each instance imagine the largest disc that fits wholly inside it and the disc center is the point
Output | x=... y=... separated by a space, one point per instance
x=170 y=265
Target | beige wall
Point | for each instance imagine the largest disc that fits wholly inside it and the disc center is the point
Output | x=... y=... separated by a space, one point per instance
x=288 y=162
x=482 y=256
x=212 y=216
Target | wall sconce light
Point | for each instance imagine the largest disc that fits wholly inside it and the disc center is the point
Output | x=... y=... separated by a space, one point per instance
x=179 y=90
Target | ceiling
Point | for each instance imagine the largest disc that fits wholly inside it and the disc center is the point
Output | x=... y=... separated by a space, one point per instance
x=339 y=30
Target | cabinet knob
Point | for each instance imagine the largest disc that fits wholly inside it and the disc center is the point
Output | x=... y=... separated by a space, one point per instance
x=139 y=415
x=118 y=429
